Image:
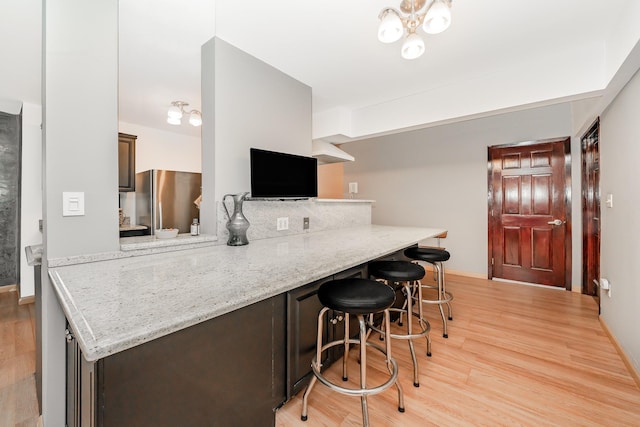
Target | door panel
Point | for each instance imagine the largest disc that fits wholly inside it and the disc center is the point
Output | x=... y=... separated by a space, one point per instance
x=526 y=194
x=512 y=246
x=542 y=249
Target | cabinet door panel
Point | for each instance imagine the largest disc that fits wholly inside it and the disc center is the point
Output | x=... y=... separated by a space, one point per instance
x=354 y=328
x=303 y=307
x=126 y=162
x=217 y=373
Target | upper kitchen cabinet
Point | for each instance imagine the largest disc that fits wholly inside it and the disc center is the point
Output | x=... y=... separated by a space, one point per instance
x=126 y=162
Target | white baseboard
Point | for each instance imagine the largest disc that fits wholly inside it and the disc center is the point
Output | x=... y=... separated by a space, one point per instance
x=8 y=288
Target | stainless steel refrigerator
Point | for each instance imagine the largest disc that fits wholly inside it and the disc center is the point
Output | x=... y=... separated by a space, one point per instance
x=176 y=193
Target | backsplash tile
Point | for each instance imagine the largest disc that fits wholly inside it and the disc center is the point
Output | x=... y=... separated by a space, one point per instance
x=262 y=215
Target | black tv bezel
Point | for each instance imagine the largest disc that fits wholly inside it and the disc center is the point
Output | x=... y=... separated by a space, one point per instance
x=278 y=195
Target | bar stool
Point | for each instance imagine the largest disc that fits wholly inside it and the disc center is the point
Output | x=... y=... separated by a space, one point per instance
x=361 y=297
x=407 y=275
x=435 y=257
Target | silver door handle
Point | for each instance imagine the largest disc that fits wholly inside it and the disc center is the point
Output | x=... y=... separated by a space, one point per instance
x=556 y=222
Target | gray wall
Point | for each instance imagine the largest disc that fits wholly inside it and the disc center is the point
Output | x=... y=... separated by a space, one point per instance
x=80 y=123
x=438 y=176
x=246 y=103
x=620 y=247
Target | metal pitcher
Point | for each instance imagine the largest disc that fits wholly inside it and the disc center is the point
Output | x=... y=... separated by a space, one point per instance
x=238 y=223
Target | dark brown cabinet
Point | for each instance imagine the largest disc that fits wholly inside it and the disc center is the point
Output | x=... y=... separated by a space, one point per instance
x=227 y=371
x=126 y=162
x=303 y=307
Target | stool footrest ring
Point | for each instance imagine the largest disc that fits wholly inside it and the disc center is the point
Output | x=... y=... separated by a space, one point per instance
x=356 y=391
x=448 y=296
x=424 y=325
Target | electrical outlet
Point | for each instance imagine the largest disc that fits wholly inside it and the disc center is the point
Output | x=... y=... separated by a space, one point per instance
x=305 y=223
x=282 y=223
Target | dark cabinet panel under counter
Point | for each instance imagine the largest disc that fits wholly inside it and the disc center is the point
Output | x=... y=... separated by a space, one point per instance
x=227 y=371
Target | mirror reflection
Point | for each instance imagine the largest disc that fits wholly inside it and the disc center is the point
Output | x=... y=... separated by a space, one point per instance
x=159 y=73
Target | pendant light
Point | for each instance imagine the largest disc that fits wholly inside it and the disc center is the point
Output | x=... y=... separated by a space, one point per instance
x=176 y=111
x=433 y=16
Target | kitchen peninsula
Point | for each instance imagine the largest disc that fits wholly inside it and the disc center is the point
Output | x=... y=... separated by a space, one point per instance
x=201 y=334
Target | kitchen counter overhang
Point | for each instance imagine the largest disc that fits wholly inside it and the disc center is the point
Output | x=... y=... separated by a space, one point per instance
x=118 y=304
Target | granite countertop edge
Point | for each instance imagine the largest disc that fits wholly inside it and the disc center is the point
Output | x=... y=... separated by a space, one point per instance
x=138 y=246
x=116 y=304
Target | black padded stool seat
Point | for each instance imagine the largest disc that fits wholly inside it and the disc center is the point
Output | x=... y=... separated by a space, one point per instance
x=427 y=254
x=396 y=271
x=356 y=296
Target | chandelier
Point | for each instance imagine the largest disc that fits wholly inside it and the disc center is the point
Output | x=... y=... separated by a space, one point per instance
x=434 y=19
x=174 y=115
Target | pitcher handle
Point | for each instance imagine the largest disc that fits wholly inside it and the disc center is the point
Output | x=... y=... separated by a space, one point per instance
x=224 y=204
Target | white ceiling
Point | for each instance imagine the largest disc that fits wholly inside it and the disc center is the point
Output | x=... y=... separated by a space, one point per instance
x=330 y=45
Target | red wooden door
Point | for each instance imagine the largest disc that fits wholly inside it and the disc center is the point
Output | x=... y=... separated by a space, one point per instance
x=591 y=210
x=528 y=213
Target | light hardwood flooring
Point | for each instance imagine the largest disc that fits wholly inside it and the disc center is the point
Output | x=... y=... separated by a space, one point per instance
x=516 y=356
x=18 y=401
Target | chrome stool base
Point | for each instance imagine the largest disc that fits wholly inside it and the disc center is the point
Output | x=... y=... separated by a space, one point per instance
x=410 y=334
x=363 y=391
x=444 y=297
x=435 y=257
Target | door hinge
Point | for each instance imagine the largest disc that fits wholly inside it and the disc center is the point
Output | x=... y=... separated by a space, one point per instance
x=491 y=261
x=68 y=335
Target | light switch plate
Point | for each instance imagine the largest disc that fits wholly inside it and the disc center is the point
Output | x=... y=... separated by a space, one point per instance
x=72 y=203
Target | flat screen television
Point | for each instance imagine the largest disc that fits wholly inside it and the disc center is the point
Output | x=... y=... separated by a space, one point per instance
x=282 y=176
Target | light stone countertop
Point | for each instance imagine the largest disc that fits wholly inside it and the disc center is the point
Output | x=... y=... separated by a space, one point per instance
x=153 y=242
x=137 y=246
x=117 y=304
x=344 y=201
x=133 y=227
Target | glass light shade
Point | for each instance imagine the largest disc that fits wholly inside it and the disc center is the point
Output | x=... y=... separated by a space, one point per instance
x=390 y=28
x=413 y=47
x=173 y=121
x=195 y=119
x=174 y=113
x=438 y=18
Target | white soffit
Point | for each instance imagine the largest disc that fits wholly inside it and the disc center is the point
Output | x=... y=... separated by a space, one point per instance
x=326 y=152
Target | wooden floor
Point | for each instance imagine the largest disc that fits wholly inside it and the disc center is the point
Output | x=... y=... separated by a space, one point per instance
x=516 y=356
x=18 y=401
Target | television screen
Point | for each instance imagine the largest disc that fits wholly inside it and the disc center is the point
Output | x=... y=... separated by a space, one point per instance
x=282 y=176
